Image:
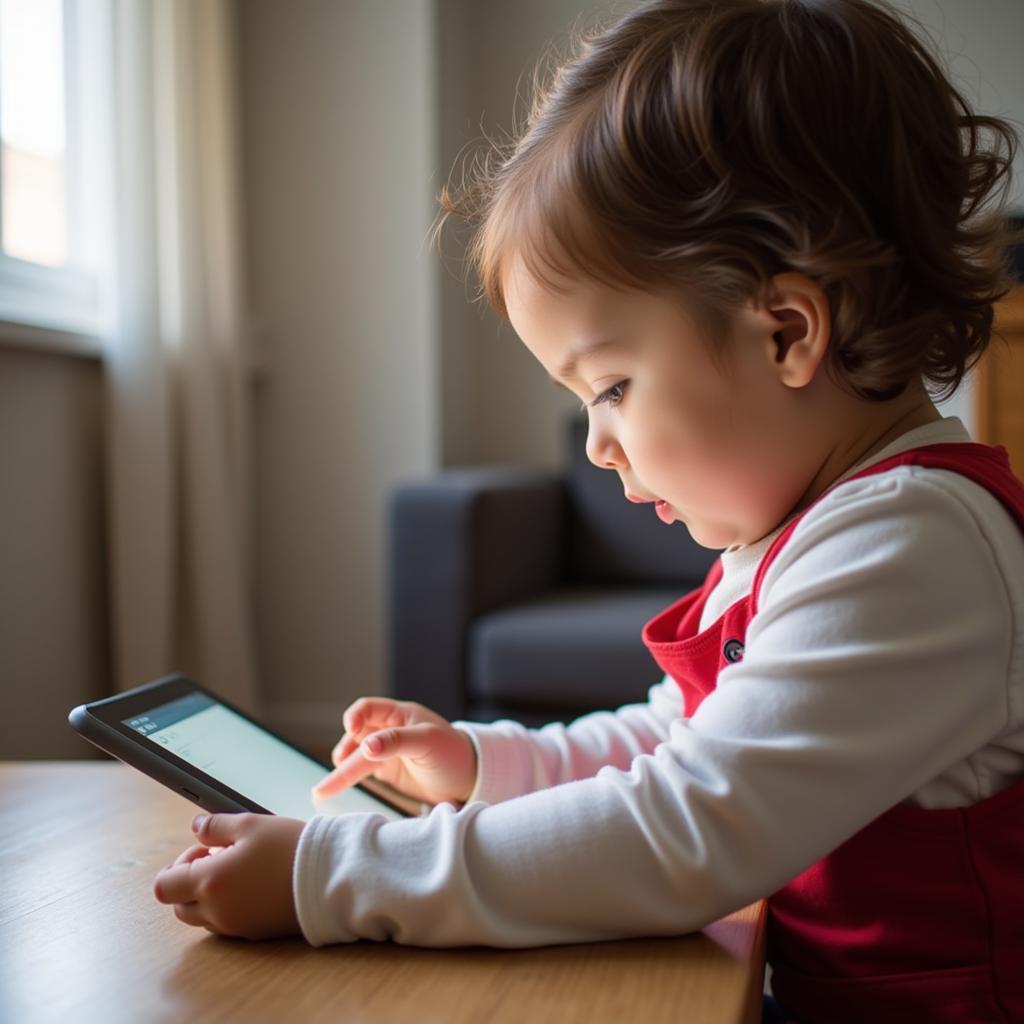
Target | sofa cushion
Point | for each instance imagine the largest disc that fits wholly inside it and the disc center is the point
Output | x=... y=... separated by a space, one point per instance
x=575 y=648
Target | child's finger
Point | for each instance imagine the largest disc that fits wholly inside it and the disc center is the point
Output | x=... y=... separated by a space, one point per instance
x=189 y=913
x=221 y=829
x=343 y=748
x=350 y=741
x=348 y=773
x=376 y=712
x=413 y=741
x=177 y=884
x=191 y=854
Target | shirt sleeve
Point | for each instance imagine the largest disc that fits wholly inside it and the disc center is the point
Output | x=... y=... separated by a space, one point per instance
x=513 y=760
x=879 y=656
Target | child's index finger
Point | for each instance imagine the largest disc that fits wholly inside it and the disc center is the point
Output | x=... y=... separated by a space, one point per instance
x=349 y=772
x=328 y=786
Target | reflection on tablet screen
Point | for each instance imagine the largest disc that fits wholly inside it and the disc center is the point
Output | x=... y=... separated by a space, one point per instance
x=243 y=756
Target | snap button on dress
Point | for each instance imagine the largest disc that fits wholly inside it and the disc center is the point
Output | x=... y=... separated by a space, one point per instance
x=733 y=650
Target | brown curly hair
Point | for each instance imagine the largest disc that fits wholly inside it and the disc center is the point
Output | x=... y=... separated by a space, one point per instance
x=702 y=146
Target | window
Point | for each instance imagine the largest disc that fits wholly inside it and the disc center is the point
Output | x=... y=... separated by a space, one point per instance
x=51 y=210
x=34 y=215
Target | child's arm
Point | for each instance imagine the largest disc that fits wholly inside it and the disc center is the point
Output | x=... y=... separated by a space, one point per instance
x=420 y=754
x=429 y=759
x=513 y=760
x=878 y=659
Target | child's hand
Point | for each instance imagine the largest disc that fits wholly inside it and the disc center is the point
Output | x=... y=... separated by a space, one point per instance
x=239 y=881
x=405 y=745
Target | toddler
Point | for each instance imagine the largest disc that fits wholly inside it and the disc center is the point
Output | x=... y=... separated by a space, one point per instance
x=755 y=238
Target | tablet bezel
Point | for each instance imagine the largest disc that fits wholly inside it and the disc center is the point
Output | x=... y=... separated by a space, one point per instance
x=100 y=722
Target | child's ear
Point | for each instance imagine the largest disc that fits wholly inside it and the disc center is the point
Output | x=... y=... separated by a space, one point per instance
x=800 y=326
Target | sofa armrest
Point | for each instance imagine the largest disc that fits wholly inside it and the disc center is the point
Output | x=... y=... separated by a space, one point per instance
x=461 y=543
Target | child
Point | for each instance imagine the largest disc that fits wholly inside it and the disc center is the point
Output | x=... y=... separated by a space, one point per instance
x=747 y=234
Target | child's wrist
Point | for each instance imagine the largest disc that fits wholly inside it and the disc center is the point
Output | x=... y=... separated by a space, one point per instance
x=474 y=771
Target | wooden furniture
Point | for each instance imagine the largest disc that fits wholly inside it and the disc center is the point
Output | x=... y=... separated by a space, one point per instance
x=999 y=384
x=83 y=938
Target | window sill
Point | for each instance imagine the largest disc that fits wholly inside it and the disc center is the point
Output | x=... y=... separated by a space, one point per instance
x=49 y=339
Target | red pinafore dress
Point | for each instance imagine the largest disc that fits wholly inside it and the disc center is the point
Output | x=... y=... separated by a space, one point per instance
x=918 y=917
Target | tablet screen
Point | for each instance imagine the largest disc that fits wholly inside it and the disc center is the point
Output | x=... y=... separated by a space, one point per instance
x=251 y=761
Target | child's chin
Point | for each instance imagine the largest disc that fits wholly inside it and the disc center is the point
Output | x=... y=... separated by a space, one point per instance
x=707 y=535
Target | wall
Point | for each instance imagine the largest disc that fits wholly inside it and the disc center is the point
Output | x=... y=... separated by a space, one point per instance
x=53 y=601
x=515 y=416
x=339 y=138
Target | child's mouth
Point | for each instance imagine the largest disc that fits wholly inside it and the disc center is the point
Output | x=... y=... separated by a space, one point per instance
x=664 y=511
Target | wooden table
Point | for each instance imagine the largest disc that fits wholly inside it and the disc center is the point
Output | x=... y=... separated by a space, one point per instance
x=82 y=938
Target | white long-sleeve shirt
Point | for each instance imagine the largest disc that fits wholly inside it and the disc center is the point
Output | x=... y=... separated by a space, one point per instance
x=885 y=663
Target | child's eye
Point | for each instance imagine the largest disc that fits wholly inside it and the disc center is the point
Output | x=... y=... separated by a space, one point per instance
x=608 y=396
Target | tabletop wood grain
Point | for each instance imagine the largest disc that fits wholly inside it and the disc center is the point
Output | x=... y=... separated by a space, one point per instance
x=83 y=938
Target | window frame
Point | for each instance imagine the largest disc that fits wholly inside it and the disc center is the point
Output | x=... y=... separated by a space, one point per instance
x=62 y=308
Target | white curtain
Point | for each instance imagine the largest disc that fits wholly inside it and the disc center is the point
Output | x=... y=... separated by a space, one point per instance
x=176 y=355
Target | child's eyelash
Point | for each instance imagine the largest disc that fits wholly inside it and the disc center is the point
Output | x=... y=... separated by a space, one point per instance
x=605 y=396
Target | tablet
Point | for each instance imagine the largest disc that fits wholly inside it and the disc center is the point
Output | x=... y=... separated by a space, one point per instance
x=214 y=754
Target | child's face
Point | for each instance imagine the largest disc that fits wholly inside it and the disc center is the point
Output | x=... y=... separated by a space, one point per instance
x=729 y=445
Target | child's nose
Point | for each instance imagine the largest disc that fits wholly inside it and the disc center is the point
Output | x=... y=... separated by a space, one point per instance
x=603 y=450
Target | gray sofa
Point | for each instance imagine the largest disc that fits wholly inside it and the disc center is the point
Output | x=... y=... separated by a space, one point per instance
x=521 y=593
